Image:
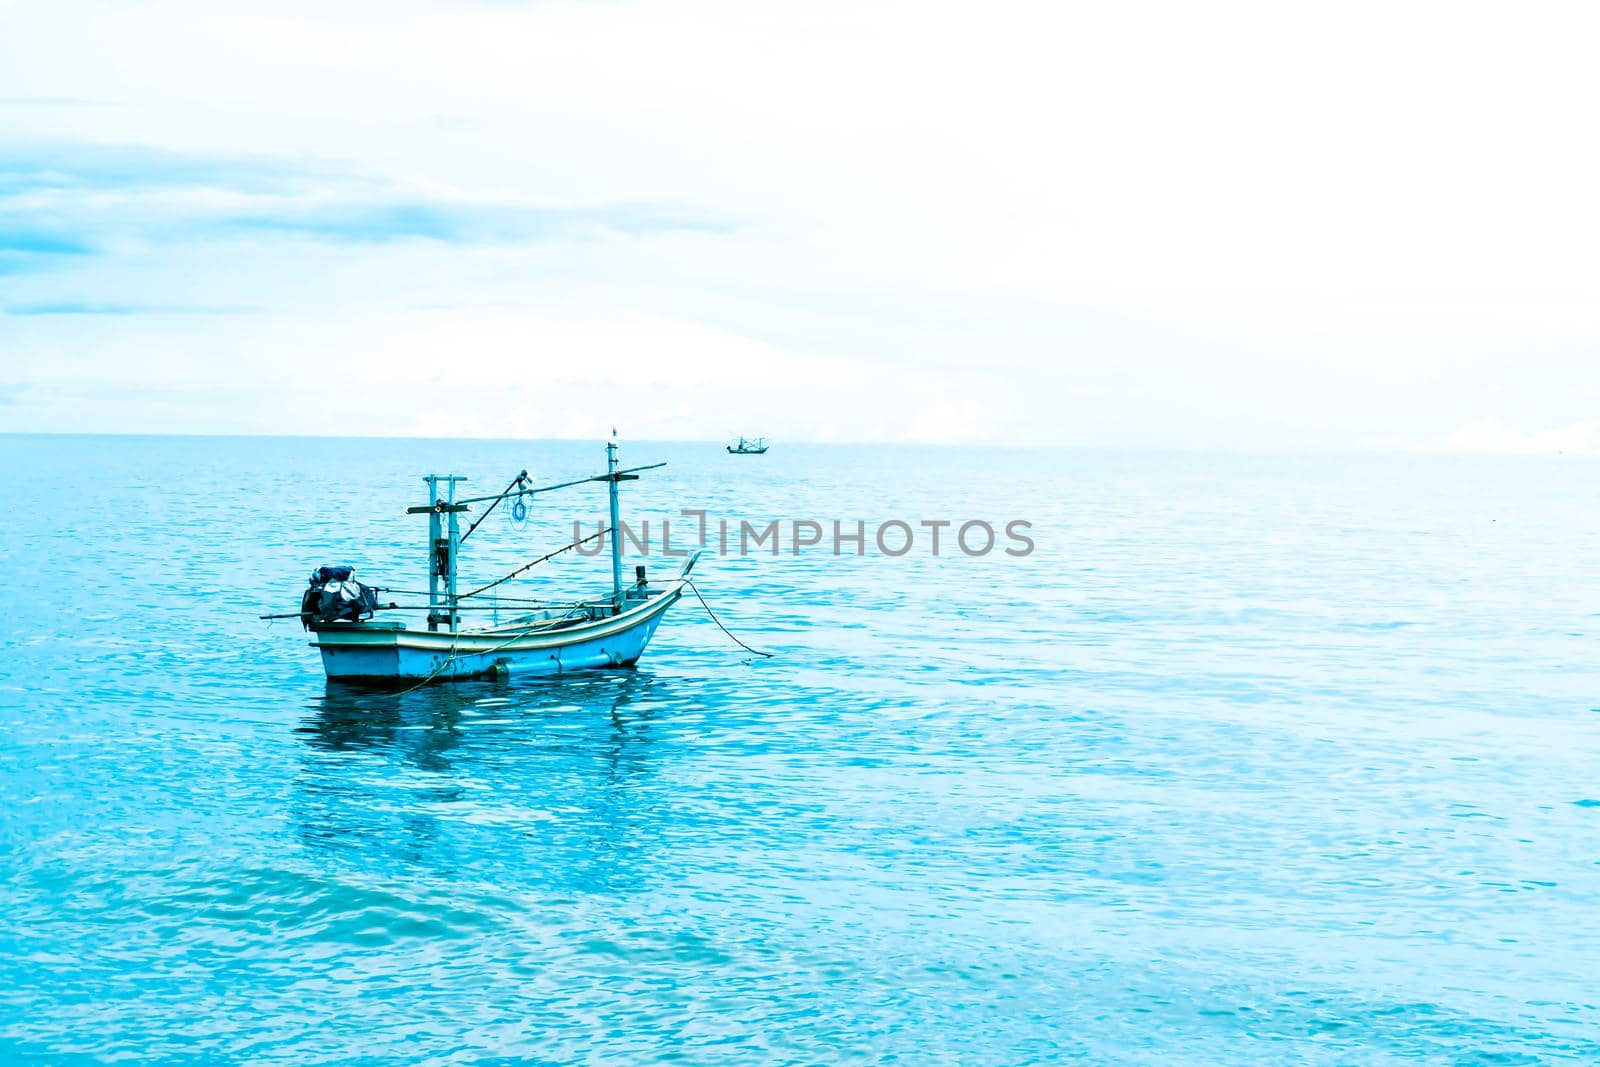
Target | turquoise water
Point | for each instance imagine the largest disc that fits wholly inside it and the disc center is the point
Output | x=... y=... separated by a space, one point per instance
x=1254 y=760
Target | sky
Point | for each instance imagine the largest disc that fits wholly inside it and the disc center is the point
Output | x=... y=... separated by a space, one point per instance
x=1222 y=225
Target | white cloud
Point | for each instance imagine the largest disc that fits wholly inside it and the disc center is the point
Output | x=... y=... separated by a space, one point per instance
x=1238 y=223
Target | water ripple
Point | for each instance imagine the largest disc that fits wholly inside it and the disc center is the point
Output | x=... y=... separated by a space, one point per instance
x=1257 y=760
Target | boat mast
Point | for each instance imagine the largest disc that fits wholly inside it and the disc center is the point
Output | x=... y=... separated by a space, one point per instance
x=612 y=478
x=455 y=549
x=444 y=542
x=445 y=537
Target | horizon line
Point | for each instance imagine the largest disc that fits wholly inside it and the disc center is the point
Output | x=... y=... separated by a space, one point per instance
x=1180 y=449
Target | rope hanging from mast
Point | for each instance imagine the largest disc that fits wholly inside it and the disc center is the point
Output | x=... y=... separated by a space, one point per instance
x=516 y=483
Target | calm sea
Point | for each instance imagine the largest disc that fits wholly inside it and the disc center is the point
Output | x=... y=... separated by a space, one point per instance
x=1253 y=760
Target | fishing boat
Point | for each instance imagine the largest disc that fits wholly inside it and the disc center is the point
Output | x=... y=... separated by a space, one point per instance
x=542 y=639
x=748 y=446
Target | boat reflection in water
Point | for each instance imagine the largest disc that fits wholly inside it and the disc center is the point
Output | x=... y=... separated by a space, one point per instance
x=479 y=779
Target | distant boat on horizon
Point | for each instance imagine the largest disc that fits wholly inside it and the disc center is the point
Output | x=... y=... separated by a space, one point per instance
x=748 y=446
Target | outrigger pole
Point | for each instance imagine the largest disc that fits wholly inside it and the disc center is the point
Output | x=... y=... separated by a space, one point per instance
x=548 y=488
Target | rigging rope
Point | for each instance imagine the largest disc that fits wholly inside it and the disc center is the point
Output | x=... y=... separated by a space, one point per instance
x=514 y=601
x=448 y=660
x=724 y=629
x=515 y=482
x=451 y=659
x=529 y=566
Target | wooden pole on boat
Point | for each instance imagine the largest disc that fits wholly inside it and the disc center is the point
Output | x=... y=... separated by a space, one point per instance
x=616 y=523
x=433 y=551
x=442 y=549
x=455 y=546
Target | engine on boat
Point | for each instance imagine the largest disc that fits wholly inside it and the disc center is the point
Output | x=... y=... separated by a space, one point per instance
x=334 y=595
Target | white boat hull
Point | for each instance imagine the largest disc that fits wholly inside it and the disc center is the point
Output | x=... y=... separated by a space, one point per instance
x=388 y=653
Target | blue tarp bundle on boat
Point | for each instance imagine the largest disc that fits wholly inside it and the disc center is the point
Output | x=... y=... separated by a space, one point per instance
x=334 y=595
